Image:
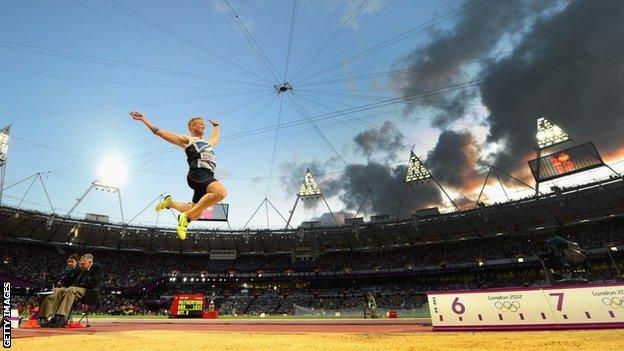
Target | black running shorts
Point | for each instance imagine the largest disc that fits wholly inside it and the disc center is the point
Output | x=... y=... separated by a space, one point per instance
x=198 y=179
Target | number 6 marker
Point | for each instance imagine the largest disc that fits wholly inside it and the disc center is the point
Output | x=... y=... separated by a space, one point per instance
x=458 y=307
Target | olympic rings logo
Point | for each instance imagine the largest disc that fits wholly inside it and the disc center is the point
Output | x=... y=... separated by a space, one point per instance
x=614 y=302
x=507 y=306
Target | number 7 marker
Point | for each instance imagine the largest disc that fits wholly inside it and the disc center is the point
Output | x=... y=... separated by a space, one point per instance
x=559 y=300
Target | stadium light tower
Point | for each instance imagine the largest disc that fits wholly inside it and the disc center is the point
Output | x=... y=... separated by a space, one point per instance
x=5 y=135
x=111 y=175
x=418 y=173
x=548 y=135
x=34 y=178
x=98 y=185
x=309 y=190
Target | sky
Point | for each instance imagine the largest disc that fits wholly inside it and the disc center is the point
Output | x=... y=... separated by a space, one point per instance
x=458 y=82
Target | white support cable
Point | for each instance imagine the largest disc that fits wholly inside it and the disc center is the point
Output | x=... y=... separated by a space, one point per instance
x=114 y=62
x=332 y=37
x=421 y=27
x=262 y=57
x=290 y=36
x=45 y=190
x=436 y=91
x=123 y=24
x=160 y=196
x=119 y=6
x=275 y=140
x=27 y=191
x=324 y=138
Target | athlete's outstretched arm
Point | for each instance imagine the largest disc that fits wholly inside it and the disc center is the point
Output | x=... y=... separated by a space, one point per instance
x=175 y=139
x=214 y=136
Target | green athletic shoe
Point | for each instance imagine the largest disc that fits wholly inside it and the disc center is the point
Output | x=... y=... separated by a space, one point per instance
x=182 y=225
x=164 y=204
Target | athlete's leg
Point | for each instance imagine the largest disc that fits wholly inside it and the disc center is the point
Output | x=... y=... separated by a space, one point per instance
x=215 y=192
x=181 y=206
x=168 y=203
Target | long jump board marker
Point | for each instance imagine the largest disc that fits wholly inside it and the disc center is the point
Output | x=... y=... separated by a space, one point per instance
x=559 y=307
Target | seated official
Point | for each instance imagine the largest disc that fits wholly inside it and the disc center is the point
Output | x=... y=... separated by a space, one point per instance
x=55 y=308
x=71 y=272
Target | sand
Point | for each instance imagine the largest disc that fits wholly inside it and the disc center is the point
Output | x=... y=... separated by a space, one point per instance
x=152 y=340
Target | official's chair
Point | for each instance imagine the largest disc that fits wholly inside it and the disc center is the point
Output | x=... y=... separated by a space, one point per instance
x=89 y=303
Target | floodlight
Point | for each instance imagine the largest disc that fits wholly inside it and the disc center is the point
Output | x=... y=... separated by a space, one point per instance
x=309 y=187
x=549 y=134
x=520 y=259
x=4 y=144
x=49 y=223
x=613 y=248
x=416 y=171
x=309 y=190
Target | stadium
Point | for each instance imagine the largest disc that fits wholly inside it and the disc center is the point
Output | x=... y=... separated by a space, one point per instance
x=490 y=238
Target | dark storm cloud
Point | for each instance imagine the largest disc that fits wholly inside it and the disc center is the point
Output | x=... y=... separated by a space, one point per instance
x=389 y=192
x=454 y=160
x=579 y=85
x=443 y=61
x=565 y=61
x=387 y=139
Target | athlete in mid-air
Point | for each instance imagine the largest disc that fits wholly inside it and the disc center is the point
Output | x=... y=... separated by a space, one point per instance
x=202 y=162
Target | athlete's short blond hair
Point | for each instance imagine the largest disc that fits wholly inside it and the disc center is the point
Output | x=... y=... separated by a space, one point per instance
x=193 y=119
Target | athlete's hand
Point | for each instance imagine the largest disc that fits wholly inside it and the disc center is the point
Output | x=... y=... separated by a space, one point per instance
x=213 y=122
x=138 y=116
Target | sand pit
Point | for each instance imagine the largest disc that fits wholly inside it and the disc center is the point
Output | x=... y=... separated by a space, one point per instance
x=275 y=341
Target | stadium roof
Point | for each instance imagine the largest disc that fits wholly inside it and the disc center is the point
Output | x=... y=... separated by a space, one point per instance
x=565 y=206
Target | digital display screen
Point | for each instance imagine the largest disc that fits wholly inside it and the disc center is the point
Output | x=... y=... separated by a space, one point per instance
x=565 y=162
x=218 y=212
x=187 y=305
x=194 y=305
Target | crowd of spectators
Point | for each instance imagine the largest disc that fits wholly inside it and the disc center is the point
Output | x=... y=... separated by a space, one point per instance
x=408 y=294
x=43 y=264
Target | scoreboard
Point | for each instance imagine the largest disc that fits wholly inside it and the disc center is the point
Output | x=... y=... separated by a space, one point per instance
x=218 y=212
x=565 y=307
x=187 y=305
x=565 y=162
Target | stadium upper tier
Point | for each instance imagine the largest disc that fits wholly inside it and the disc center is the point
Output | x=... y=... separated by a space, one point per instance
x=558 y=209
